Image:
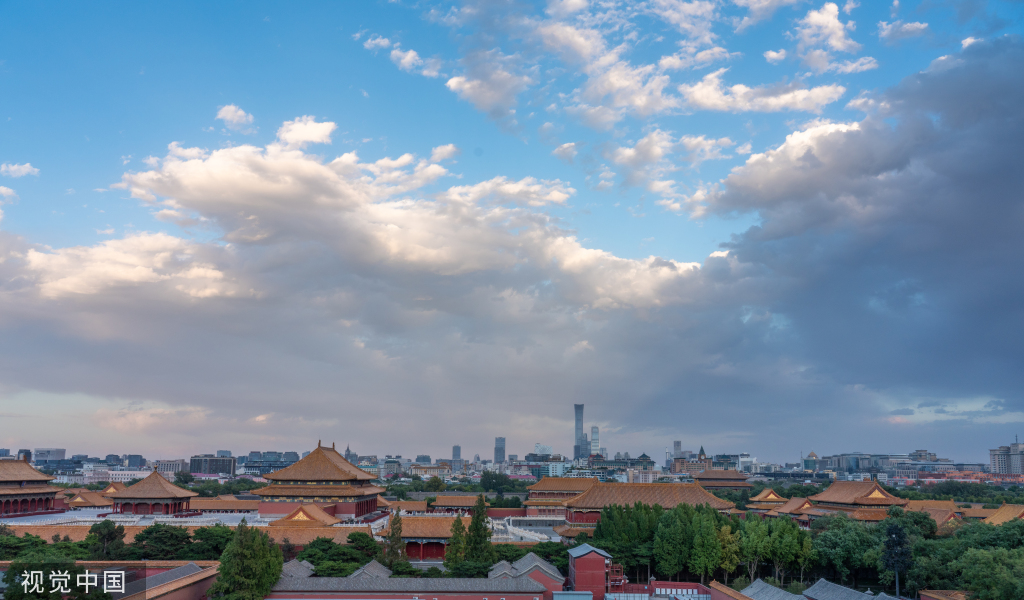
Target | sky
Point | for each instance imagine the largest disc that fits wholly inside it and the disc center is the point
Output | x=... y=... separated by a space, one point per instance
x=764 y=226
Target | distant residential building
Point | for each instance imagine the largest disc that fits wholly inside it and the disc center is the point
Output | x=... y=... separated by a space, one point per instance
x=422 y=459
x=499 y=450
x=1007 y=460
x=170 y=467
x=456 y=452
x=46 y=454
x=211 y=464
x=642 y=475
x=126 y=475
x=224 y=454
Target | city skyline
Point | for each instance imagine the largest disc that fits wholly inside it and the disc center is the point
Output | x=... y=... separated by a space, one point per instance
x=767 y=227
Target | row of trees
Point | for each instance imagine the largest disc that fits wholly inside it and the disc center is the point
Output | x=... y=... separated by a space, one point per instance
x=250 y=562
x=105 y=541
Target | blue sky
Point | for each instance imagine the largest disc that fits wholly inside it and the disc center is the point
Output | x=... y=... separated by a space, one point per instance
x=599 y=125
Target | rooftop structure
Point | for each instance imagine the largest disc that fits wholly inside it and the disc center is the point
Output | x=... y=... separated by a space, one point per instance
x=861 y=500
x=23 y=489
x=307 y=515
x=153 y=495
x=1005 y=514
x=322 y=477
x=765 y=501
x=585 y=509
x=723 y=480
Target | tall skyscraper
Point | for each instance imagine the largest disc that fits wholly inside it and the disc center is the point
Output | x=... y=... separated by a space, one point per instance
x=499 y=450
x=595 y=444
x=456 y=452
x=577 y=440
x=677 y=448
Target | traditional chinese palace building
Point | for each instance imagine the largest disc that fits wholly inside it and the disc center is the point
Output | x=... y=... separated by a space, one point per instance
x=23 y=489
x=584 y=510
x=154 y=495
x=861 y=500
x=548 y=496
x=766 y=501
x=323 y=477
x=723 y=480
x=455 y=504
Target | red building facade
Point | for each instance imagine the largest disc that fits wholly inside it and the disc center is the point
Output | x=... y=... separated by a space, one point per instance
x=548 y=496
x=154 y=495
x=24 y=490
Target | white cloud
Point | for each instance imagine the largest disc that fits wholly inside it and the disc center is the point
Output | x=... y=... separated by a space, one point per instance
x=525 y=192
x=235 y=118
x=566 y=152
x=898 y=30
x=446 y=152
x=490 y=84
x=850 y=5
x=699 y=148
x=710 y=94
x=377 y=42
x=775 y=57
x=134 y=260
x=864 y=63
x=744 y=149
x=15 y=170
x=968 y=41
x=819 y=34
x=689 y=58
x=759 y=10
x=406 y=60
x=565 y=8
x=6 y=192
x=692 y=18
x=305 y=130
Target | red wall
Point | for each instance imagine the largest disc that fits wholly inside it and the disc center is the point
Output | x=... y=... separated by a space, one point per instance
x=553 y=585
x=587 y=574
x=575 y=516
x=425 y=551
x=501 y=513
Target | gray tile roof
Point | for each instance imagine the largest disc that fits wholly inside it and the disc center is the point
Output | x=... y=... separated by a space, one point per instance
x=531 y=561
x=297 y=568
x=501 y=569
x=584 y=549
x=826 y=590
x=141 y=585
x=372 y=569
x=759 y=590
x=403 y=585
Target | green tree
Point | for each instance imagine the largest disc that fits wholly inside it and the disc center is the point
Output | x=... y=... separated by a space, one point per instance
x=249 y=567
x=496 y=482
x=843 y=544
x=992 y=574
x=729 y=542
x=47 y=561
x=783 y=545
x=108 y=540
x=896 y=555
x=183 y=478
x=435 y=484
x=509 y=552
x=671 y=552
x=332 y=568
x=478 y=535
x=754 y=543
x=209 y=544
x=364 y=543
x=471 y=569
x=394 y=545
x=160 y=542
x=807 y=556
x=455 y=552
x=706 y=555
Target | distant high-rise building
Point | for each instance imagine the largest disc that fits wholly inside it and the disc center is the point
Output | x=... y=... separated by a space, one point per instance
x=577 y=448
x=272 y=456
x=456 y=452
x=422 y=459
x=255 y=455
x=595 y=444
x=134 y=461
x=5 y=452
x=223 y=454
x=350 y=456
x=113 y=460
x=513 y=457
x=49 y=454
x=210 y=464
x=499 y=450
x=603 y=452
x=541 y=449
x=24 y=454
x=476 y=458
x=677 y=448
x=290 y=457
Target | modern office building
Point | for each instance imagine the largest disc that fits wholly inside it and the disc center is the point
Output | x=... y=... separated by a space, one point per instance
x=422 y=459
x=223 y=454
x=542 y=449
x=595 y=444
x=46 y=454
x=499 y=450
x=577 y=440
x=1007 y=460
x=169 y=467
x=113 y=460
x=456 y=452
x=213 y=465
x=134 y=461
x=5 y=452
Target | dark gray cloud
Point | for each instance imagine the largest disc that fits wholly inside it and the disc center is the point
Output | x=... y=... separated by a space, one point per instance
x=875 y=307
